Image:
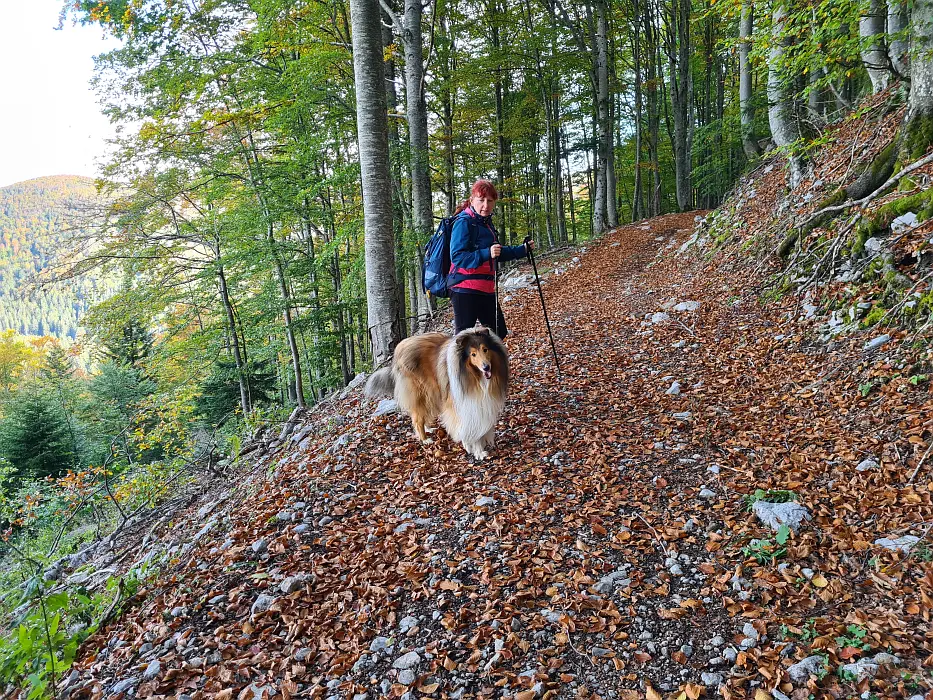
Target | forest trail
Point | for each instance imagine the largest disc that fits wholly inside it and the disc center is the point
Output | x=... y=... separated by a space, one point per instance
x=598 y=552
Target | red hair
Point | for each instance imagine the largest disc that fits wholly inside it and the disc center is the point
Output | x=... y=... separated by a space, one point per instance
x=481 y=188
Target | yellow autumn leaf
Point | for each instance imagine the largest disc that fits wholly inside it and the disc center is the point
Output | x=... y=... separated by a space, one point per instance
x=763 y=695
x=819 y=581
x=652 y=694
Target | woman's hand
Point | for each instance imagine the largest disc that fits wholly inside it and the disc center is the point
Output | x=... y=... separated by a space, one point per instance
x=529 y=244
x=495 y=251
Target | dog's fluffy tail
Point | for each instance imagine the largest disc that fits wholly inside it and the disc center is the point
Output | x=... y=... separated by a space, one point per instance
x=380 y=383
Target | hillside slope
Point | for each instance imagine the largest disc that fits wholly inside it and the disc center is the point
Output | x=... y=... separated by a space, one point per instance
x=36 y=217
x=605 y=550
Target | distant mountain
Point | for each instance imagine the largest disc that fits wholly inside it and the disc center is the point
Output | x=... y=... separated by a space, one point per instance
x=36 y=218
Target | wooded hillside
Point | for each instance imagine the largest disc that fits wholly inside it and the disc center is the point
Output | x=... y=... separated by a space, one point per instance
x=37 y=219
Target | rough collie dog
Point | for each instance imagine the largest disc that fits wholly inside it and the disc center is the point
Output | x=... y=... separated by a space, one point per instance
x=461 y=381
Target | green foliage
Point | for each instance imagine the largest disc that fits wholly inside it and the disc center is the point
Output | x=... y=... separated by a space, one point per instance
x=856 y=636
x=765 y=551
x=219 y=396
x=37 y=219
x=770 y=496
x=34 y=437
x=44 y=638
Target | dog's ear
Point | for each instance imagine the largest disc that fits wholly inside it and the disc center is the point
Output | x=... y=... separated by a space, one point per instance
x=482 y=330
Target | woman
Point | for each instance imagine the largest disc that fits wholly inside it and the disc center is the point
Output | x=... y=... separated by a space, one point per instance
x=474 y=249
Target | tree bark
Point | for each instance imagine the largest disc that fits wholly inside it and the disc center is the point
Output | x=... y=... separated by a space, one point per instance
x=241 y=368
x=372 y=135
x=422 y=211
x=638 y=209
x=681 y=89
x=782 y=117
x=917 y=133
x=746 y=105
x=603 y=127
x=897 y=43
x=871 y=32
x=605 y=112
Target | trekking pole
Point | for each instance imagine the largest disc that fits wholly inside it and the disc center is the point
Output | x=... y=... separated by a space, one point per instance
x=531 y=257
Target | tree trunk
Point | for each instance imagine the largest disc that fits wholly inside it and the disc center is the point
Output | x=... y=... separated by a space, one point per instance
x=897 y=42
x=871 y=32
x=241 y=368
x=607 y=147
x=782 y=117
x=422 y=211
x=372 y=135
x=603 y=127
x=746 y=106
x=918 y=127
x=681 y=88
x=287 y=318
x=638 y=209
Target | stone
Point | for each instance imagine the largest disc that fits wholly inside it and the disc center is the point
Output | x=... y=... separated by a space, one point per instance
x=152 y=670
x=364 y=663
x=801 y=671
x=124 y=686
x=303 y=654
x=675 y=570
x=484 y=501
x=901 y=544
x=748 y=629
x=407 y=676
x=600 y=652
x=717 y=641
x=381 y=644
x=177 y=611
x=407 y=623
x=674 y=389
x=877 y=343
x=407 y=661
x=659 y=317
x=904 y=221
x=711 y=680
x=885 y=659
x=707 y=494
x=326 y=520
x=145 y=648
x=714 y=469
x=730 y=654
x=683 y=415
x=285 y=516
x=385 y=407
x=301 y=529
x=687 y=306
x=293 y=583
x=774 y=515
x=860 y=670
x=867 y=465
x=260 y=546
x=873 y=245
x=262 y=604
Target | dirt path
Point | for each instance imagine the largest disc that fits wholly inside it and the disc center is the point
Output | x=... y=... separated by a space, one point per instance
x=598 y=553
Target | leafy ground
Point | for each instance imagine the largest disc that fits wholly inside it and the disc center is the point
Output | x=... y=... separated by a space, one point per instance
x=599 y=553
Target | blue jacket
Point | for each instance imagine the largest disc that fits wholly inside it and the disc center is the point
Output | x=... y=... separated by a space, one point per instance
x=471 y=268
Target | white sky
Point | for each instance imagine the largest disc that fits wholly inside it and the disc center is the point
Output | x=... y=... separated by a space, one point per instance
x=50 y=122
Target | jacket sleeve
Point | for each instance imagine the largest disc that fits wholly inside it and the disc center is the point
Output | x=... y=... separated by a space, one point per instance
x=513 y=252
x=462 y=254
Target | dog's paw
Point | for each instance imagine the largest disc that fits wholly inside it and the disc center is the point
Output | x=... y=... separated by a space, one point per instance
x=481 y=455
x=429 y=430
x=427 y=441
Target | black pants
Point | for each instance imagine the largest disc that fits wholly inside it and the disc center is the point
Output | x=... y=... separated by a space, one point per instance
x=470 y=308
